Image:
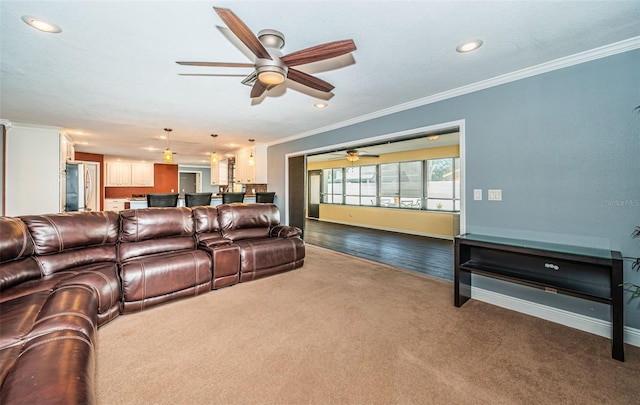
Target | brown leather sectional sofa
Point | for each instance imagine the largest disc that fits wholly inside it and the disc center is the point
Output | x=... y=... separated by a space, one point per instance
x=64 y=275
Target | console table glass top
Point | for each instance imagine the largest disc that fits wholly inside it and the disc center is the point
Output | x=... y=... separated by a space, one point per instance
x=533 y=244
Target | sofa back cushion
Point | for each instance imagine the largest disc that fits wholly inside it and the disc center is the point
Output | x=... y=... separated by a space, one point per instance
x=16 y=249
x=207 y=225
x=68 y=240
x=150 y=231
x=54 y=233
x=247 y=221
x=206 y=219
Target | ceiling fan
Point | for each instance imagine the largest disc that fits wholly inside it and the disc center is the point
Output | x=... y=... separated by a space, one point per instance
x=271 y=68
x=353 y=155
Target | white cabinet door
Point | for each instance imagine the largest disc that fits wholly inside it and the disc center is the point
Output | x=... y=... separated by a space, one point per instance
x=117 y=174
x=220 y=173
x=241 y=167
x=215 y=173
x=142 y=174
x=223 y=172
x=260 y=169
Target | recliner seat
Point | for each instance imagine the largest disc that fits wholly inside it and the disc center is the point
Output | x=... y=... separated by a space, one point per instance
x=158 y=257
x=266 y=247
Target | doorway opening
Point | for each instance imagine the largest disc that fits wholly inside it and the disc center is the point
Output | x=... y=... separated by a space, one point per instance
x=189 y=182
x=446 y=135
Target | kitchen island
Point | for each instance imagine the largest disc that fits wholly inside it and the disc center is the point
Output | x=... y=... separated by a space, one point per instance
x=215 y=200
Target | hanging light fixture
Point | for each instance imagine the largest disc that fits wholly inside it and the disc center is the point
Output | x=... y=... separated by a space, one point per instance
x=167 y=156
x=252 y=161
x=214 y=155
x=352 y=156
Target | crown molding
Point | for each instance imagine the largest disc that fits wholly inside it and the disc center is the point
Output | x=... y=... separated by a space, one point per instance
x=561 y=63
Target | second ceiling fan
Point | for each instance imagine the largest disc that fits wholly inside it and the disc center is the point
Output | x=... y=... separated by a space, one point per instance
x=271 y=68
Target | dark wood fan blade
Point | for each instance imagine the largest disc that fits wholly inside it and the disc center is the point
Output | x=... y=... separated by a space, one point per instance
x=217 y=64
x=258 y=88
x=243 y=32
x=319 y=52
x=309 y=81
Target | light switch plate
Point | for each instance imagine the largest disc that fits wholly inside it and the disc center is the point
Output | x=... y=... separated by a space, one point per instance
x=494 y=195
x=477 y=194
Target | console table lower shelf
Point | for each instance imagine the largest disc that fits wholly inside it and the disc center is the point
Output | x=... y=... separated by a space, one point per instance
x=587 y=273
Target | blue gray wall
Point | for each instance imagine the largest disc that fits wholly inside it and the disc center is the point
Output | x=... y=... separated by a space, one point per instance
x=563 y=146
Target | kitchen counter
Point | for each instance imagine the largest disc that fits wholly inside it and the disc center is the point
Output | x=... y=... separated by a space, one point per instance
x=215 y=200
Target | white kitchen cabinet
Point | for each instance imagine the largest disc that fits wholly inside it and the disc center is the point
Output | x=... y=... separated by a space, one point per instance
x=220 y=173
x=241 y=173
x=142 y=174
x=223 y=172
x=117 y=174
x=114 y=204
x=126 y=174
x=246 y=174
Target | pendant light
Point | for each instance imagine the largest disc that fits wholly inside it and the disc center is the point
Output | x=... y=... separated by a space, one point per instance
x=252 y=161
x=214 y=155
x=167 y=156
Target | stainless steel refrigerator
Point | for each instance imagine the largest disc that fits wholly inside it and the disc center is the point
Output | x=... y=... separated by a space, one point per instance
x=78 y=188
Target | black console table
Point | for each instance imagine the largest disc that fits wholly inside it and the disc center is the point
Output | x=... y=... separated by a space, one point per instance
x=588 y=273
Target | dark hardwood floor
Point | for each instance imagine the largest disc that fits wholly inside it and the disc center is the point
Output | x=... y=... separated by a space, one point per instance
x=417 y=253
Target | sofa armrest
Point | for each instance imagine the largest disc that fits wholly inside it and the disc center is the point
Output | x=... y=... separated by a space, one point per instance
x=214 y=242
x=285 y=231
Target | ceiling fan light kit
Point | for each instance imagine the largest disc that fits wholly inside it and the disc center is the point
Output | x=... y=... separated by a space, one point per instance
x=270 y=67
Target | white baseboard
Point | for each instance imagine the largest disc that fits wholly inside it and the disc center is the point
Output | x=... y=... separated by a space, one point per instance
x=573 y=320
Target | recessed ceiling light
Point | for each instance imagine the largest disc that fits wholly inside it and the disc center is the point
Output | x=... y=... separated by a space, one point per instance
x=469 y=46
x=321 y=106
x=41 y=25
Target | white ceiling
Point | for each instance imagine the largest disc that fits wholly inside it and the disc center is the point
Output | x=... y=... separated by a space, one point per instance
x=111 y=72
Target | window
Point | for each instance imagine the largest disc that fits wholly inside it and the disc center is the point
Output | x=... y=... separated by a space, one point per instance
x=411 y=184
x=332 y=186
x=390 y=184
x=360 y=185
x=432 y=184
x=443 y=184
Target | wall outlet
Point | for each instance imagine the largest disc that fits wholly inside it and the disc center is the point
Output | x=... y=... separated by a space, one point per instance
x=494 y=195
x=477 y=194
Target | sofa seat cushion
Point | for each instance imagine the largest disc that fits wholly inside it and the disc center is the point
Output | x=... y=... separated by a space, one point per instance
x=53 y=368
x=262 y=257
x=153 y=279
x=102 y=278
x=71 y=307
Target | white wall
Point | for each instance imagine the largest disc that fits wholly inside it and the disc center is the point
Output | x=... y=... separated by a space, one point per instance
x=33 y=170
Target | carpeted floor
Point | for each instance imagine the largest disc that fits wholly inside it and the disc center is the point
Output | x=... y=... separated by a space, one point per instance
x=343 y=330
